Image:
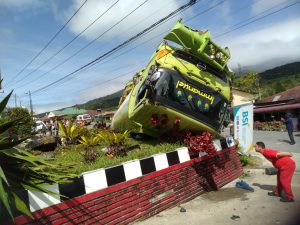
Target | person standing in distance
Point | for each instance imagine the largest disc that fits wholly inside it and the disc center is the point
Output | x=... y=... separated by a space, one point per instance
x=290 y=127
x=286 y=167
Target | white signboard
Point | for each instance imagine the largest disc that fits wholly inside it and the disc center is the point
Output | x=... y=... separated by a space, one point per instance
x=243 y=126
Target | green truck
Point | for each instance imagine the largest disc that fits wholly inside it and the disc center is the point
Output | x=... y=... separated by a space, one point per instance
x=186 y=84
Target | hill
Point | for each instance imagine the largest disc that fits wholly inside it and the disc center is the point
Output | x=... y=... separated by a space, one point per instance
x=271 y=81
x=281 y=71
x=106 y=102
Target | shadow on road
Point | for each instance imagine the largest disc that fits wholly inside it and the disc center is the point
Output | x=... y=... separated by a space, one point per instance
x=264 y=186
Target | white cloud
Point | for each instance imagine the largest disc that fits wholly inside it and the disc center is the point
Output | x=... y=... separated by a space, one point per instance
x=133 y=24
x=20 y=4
x=260 y=6
x=280 y=41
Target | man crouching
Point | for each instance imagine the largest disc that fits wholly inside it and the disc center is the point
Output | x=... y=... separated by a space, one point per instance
x=286 y=168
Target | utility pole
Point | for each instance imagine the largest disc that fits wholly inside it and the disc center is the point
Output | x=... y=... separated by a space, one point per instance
x=16 y=100
x=30 y=102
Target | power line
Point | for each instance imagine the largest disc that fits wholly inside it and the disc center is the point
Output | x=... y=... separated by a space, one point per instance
x=246 y=24
x=60 y=50
x=201 y=13
x=129 y=50
x=98 y=59
x=30 y=82
x=88 y=44
x=107 y=81
x=49 y=42
x=219 y=35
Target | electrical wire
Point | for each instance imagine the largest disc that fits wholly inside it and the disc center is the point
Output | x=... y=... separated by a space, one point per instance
x=243 y=24
x=91 y=42
x=30 y=82
x=48 y=43
x=65 y=46
x=98 y=59
x=260 y=18
x=219 y=35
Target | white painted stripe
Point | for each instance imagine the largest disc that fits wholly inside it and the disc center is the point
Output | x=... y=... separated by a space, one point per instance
x=132 y=170
x=95 y=180
x=161 y=161
x=39 y=200
x=183 y=154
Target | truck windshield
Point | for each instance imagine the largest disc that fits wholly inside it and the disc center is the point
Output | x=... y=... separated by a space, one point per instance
x=190 y=97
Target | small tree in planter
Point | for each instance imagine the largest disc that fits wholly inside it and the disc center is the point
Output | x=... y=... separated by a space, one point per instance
x=70 y=133
x=90 y=154
x=115 y=142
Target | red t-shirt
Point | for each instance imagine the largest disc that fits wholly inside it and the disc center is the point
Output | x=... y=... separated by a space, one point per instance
x=270 y=155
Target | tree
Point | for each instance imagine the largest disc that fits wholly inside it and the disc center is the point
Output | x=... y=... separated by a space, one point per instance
x=249 y=83
x=278 y=87
x=24 y=128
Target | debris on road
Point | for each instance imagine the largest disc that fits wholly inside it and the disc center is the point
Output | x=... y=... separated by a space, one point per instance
x=182 y=209
x=242 y=184
x=271 y=171
x=235 y=217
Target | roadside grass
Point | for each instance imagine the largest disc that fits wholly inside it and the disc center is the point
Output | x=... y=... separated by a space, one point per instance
x=250 y=162
x=73 y=154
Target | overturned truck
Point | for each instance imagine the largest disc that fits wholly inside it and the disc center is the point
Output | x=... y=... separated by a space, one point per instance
x=188 y=86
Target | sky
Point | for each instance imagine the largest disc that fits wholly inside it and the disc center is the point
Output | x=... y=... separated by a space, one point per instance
x=40 y=51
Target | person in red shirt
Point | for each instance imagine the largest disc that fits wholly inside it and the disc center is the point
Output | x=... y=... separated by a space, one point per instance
x=286 y=167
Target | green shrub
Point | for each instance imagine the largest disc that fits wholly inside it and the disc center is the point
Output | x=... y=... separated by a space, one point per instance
x=245 y=160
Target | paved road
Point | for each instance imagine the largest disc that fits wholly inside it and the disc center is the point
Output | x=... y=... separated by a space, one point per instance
x=277 y=140
x=253 y=208
x=218 y=208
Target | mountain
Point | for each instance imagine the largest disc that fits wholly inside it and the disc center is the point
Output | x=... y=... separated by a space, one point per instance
x=106 y=102
x=271 y=81
x=281 y=71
